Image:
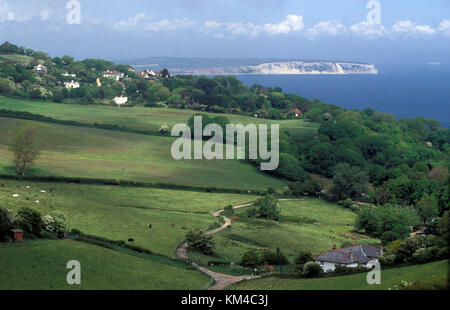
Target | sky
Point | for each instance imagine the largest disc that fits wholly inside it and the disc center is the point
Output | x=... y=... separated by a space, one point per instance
x=375 y=31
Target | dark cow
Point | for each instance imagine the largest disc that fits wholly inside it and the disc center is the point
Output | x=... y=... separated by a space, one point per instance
x=150 y=226
x=131 y=240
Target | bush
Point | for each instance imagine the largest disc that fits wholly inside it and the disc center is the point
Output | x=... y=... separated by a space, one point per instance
x=267 y=208
x=197 y=239
x=164 y=130
x=6 y=223
x=30 y=221
x=228 y=210
x=303 y=257
x=275 y=258
x=308 y=188
x=251 y=258
x=347 y=203
x=311 y=269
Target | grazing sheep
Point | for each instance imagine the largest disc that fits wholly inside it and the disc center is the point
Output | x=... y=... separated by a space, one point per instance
x=43 y=192
x=37 y=201
x=28 y=187
x=15 y=195
x=131 y=240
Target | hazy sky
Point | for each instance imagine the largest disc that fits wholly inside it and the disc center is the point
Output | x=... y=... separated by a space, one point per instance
x=409 y=30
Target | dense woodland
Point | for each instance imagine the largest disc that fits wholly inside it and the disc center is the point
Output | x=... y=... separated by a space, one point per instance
x=365 y=156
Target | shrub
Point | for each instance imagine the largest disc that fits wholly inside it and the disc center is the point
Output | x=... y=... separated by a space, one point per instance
x=251 y=258
x=163 y=130
x=267 y=208
x=6 y=222
x=275 y=258
x=347 y=203
x=197 y=239
x=228 y=210
x=311 y=269
x=303 y=257
x=308 y=188
x=30 y=221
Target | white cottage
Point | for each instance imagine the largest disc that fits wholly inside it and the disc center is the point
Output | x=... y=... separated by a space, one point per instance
x=120 y=100
x=352 y=256
x=113 y=74
x=71 y=84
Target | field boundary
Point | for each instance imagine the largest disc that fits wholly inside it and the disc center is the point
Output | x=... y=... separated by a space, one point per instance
x=128 y=183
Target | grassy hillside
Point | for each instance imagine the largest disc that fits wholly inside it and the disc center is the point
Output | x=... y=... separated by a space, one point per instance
x=42 y=265
x=389 y=278
x=310 y=224
x=94 y=153
x=120 y=213
x=138 y=118
x=22 y=59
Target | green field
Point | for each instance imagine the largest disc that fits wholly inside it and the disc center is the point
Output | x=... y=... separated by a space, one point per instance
x=120 y=213
x=42 y=265
x=72 y=151
x=23 y=59
x=389 y=278
x=138 y=118
x=311 y=224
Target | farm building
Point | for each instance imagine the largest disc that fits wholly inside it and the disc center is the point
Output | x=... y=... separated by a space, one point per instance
x=352 y=256
x=72 y=84
x=17 y=234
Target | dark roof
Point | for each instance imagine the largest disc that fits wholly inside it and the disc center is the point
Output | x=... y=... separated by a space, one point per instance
x=17 y=230
x=362 y=254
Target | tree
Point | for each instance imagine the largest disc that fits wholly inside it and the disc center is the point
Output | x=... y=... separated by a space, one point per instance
x=267 y=208
x=197 y=239
x=427 y=208
x=6 y=86
x=311 y=269
x=251 y=258
x=303 y=257
x=6 y=222
x=349 y=182
x=30 y=221
x=25 y=148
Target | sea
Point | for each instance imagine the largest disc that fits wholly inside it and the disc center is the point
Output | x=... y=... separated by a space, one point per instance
x=405 y=91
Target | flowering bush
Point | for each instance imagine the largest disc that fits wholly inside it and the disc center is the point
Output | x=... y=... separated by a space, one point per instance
x=54 y=222
x=164 y=130
x=48 y=222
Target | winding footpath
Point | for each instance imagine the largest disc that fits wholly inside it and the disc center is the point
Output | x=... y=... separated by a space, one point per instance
x=222 y=280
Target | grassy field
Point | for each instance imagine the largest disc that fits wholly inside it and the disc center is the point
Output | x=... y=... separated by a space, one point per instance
x=23 y=59
x=72 y=151
x=389 y=278
x=120 y=213
x=41 y=264
x=138 y=118
x=311 y=224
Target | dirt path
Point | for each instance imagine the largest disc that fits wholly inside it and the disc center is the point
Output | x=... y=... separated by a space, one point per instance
x=222 y=280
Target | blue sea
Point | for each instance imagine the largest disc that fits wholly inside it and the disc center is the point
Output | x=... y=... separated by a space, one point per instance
x=405 y=91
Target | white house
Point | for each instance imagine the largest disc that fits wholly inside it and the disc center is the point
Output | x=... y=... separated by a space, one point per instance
x=352 y=256
x=40 y=69
x=120 y=100
x=69 y=75
x=113 y=74
x=72 y=84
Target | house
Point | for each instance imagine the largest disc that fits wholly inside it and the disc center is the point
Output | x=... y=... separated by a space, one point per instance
x=420 y=232
x=296 y=112
x=120 y=100
x=71 y=84
x=69 y=75
x=143 y=74
x=352 y=256
x=41 y=69
x=113 y=74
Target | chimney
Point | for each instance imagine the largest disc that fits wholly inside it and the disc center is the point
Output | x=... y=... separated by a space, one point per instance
x=334 y=246
x=381 y=249
x=351 y=254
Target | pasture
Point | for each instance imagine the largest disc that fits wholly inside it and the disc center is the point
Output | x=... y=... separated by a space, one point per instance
x=310 y=224
x=389 y=278
x=120 y=213
x=41 y=265
x=72 y=151
x=139 y=118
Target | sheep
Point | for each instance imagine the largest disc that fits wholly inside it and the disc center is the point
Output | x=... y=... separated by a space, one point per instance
x=43 y=192
x=131 y=240
x=15 y=195
x=37 y=201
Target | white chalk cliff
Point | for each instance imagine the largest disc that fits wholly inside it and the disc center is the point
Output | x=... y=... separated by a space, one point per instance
x=306 y=67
